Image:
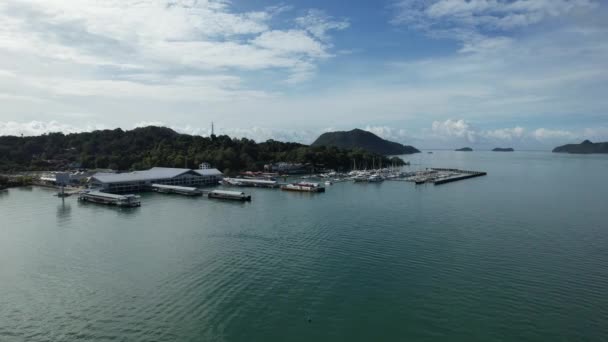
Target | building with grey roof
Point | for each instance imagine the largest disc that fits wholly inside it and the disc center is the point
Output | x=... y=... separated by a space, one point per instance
x=143 y=180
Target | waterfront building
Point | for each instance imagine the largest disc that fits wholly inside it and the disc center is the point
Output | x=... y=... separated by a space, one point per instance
x=143 y=180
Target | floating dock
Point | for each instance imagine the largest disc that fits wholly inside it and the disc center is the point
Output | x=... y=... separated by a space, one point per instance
x=229 y=195
x=248 y=182
x=128 y=201
x=174 y=189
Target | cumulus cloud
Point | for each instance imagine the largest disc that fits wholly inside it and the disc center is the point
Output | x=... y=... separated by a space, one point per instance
x=460 y=131
x=443 y=134
x=544 y=134
x=34 y=128
x=455 y=128
x=92 y=47
x=389 y=133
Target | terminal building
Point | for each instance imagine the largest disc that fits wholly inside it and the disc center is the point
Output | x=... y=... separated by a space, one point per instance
x=143 y=180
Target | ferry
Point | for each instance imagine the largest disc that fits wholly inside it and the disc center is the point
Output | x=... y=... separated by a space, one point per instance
x=229 y=195
x=128 y=201
x=303 y=187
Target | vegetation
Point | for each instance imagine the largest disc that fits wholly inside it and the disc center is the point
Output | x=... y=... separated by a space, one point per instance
x=143 y=148
x=585 y=147
x=465 y=149
x=501 y=149
x=12 y=181
x=365 y=140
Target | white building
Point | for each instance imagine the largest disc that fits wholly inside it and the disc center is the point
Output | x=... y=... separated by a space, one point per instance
x=204 y=166
x=143 y=180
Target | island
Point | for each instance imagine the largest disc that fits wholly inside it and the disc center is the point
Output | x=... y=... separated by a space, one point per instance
x=464 y=149
x=364 y=140
x=586 y=147
x=502 y=149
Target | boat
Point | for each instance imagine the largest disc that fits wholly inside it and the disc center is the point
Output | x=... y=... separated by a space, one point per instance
x=328 y=183
x=303 y=187
x=128 y=201
x=375 y=179
x=229 y=195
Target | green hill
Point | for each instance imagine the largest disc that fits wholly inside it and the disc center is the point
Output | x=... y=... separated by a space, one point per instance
x=358 y=138
x=146 y=147
x=586 y=147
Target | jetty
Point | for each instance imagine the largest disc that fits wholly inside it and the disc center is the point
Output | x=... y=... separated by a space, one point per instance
x=174 y=189
x=128 y=201
x=439 y=176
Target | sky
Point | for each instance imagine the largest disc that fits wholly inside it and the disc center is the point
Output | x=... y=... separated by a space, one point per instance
x=529 y=74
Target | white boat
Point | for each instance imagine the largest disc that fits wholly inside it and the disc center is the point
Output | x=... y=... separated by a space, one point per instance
x=303 y=187
x=229 y=195
x=328 y=183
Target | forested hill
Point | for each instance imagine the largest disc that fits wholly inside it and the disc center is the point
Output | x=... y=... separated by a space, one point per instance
x=586 y=147
x=358 y=138
x=151 y=146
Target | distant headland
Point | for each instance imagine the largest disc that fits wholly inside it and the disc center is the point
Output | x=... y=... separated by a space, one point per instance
x=360 y=139
x=464 y=149
x=586 y=147
x=502 y=149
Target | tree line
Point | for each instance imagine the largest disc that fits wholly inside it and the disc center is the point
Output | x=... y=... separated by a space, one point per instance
x=146 y=147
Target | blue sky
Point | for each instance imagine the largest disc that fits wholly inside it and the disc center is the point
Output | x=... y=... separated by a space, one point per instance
x=435 y=73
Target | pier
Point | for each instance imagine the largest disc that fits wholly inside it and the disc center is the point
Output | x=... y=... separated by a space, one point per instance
x=439 y=176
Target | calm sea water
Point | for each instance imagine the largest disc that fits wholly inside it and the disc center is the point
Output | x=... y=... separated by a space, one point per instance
x=518 y=255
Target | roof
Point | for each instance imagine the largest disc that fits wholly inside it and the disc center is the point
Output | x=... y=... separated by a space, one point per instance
x=174 y=187
x=250 y=181
x=208 y=172
x=106 y=195
x=152 y=174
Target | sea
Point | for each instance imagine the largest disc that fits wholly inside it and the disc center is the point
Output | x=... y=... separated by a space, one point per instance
x=518 y=255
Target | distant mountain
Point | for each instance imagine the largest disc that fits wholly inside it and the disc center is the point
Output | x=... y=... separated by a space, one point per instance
x=358 y=138
x=585 y=147
x=464 y=149
x=501 y=149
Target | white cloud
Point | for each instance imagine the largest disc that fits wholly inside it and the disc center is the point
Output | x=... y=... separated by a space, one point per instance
x=443 y=134
x=318 y=23
x=33 y=128
x=94 y=48
x=454 y=128
x=459 y=16
x=544 y=134
x=505 y=133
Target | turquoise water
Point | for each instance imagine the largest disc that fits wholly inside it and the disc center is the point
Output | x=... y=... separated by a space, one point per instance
x=518 y=255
